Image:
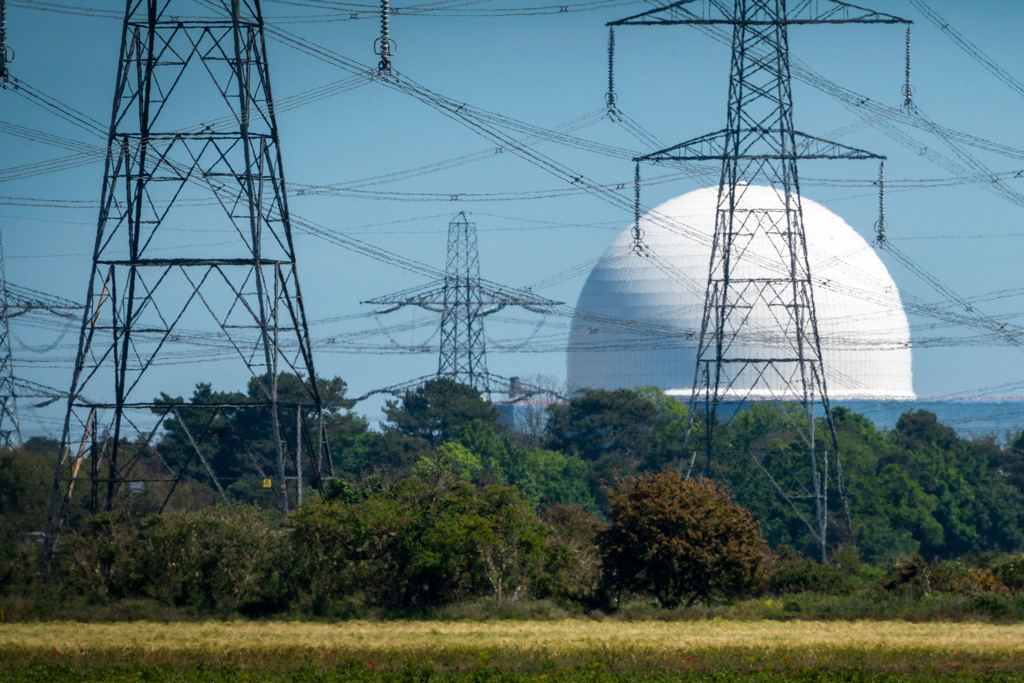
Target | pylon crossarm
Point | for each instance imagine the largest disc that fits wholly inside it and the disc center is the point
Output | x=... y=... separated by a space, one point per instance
x=714 y=147
x=719 y=12
x=434 y=294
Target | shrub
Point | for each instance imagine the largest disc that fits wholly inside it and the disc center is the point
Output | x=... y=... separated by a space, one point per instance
x=1010 y=573
x=511 y=542
x=99 y=562
x=679 y=541
x=421 y=544
x=224 y=558
x=907 y=575
x=573 y=569
x=788 y=571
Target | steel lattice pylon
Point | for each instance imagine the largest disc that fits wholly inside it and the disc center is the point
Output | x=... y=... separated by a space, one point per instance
x=464 y=305
x=10 y=429
x=760 y=146
x=463 y=299
x=193 y=150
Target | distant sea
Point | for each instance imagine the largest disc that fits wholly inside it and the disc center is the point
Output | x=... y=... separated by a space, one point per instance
x=990 y=416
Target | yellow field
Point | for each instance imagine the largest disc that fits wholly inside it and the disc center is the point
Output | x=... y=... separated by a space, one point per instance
x=612 y=644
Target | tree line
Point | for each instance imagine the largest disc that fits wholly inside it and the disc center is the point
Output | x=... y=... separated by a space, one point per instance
x=444 y=503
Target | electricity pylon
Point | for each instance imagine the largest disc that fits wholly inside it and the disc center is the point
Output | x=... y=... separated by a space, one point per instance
x=463 y=299
x=193 y=150
x=760 y=146
x=10 y=429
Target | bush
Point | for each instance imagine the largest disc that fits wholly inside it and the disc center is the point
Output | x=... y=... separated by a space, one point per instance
x=100 y=562
x=421 y=544
x=679 y=541
x=788 y=571
x=573 y=570
x=1010 y=572
x=223 y=559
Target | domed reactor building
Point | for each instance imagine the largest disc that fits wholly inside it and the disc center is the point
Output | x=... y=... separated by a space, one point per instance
x=638 y=316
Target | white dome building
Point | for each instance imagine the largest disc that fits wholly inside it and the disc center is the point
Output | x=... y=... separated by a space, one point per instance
x=638 y=317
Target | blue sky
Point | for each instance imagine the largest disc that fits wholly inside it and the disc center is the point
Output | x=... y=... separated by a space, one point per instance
x=545 y=70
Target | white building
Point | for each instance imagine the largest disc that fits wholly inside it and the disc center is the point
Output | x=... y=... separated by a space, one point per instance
x=638 y=317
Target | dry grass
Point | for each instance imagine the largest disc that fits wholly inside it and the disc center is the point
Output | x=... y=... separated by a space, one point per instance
x=894 y=646
x=561 y=636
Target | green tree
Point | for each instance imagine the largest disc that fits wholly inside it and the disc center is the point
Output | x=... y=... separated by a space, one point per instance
x=620 y=427
x=436 y=410
x=679 y=541
x=556 y=478
x=26 y=476
x=234 y=439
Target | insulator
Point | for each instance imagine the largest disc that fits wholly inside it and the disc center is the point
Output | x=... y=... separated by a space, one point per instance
x=638 y=234
x=880 y=226
x=4 y=74
x=908 y=89
x=609 y=97
x=384 y=46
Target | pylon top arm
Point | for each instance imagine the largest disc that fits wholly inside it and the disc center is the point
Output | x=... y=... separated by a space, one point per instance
x=430 y=293
x=712 y=147
x=487 y=294
x=719 y=12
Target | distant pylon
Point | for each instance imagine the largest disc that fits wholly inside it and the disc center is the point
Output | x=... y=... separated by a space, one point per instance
x=10 y=428
x=463 y=354
x=193 y=149
x=464 y=300
x=760 y=145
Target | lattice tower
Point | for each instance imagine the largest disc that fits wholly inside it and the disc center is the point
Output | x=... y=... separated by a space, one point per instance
x=760 y=146
x=10 y=428
x=193 y=151
x=464 y=300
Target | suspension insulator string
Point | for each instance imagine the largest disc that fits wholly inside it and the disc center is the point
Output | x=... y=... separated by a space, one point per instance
x=385 y=47
x=638 y=234
x=609 y=98
x=880 y=227
x=4 y=73
x=908 y=89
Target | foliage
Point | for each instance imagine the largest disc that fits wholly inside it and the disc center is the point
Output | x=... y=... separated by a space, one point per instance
x=100 y=562
x=26 y=477
x=573 y=569
x=445 y=505
x=788 y=572
x=221 y=559
x=618 y=427
x=915 y=577
x=420 y=542
x=679 y=541
x=232 y=438
x=436 y=410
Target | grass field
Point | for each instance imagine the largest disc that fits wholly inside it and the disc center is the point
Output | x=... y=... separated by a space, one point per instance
x=518 y=650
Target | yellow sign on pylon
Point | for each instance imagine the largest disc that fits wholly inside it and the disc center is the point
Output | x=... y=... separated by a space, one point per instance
x=267 y=483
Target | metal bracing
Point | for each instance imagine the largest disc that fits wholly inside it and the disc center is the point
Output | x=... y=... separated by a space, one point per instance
x=192 y=121
x=463 y=299
x=10 y=429
x=760 y=146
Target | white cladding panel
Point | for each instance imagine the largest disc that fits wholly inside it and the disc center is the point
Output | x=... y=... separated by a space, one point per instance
x=639 y=316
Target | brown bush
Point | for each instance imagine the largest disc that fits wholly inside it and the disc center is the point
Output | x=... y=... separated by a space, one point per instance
x=679 y=541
